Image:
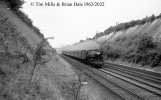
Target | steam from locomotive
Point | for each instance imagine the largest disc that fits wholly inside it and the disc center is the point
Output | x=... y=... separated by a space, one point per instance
x=87 y=51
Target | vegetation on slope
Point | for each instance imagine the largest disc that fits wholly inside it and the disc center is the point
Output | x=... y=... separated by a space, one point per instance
x=27 y=73
x=15 y=5
x=18 y=62
x=140 y=49
x=13 y=47
x=29 y=22
x=124 y=26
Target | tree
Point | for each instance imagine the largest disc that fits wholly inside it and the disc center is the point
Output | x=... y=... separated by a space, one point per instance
x=14 y=4
x=37 y=55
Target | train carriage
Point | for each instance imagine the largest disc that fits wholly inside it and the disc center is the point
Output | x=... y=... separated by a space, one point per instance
x=88 y=52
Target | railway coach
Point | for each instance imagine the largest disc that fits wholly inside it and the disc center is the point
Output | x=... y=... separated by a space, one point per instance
x=87 y=51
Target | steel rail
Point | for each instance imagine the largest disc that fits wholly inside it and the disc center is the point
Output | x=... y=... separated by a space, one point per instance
x=117 y=85
x=137 y=74
x=153 y=82
x=115 y=93
x=143 y=72
x=138 y=85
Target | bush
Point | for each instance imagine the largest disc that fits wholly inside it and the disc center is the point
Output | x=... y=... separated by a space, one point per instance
x=14 y=4
x=112 y=53
x=140 y=49
x=71 y=89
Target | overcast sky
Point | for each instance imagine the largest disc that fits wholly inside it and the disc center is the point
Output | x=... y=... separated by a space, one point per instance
x=70 y=24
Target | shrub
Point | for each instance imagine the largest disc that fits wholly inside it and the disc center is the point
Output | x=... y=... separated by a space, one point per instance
x=14 y=4
x=112 y=53
x=140 y=49
x=71 y=89
x=145 y=43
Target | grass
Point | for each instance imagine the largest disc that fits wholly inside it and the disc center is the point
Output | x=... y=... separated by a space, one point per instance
x=140 y=49
x=71 y=89
x=16 y=66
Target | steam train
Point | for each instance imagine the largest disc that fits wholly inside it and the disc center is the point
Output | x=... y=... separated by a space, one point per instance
x=90 y=54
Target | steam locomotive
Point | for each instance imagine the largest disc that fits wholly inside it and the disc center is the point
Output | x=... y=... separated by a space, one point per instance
x=88 y=52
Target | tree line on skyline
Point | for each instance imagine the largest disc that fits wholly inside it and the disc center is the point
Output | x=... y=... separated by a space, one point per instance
x=126 y=25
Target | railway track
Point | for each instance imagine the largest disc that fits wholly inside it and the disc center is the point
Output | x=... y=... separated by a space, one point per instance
x=147 y=80
x=146 y=75
x=117 y=90
x=155 y=74
x=143 y=77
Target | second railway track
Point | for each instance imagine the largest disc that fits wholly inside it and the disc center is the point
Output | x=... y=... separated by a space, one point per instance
x=147 y=80
x=150 y=80
x=148 y=75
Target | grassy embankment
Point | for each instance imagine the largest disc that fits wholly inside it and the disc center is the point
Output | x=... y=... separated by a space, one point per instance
x=137 y=42
x=29 y=68
x=21 y=56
